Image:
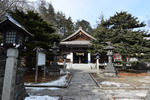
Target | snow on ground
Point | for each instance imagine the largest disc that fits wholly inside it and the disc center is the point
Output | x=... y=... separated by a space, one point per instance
x=60 y=82
x=41 y=88
x=128 y=99
x=62 y=72
x=113 y=84
x=46 y=97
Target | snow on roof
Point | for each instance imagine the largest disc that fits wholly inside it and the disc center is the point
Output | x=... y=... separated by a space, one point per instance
x=76 y=42
x=14 y=21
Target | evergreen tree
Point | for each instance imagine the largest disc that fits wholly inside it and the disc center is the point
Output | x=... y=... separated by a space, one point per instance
x=85 y=26
x=41 y=30
x=64 y=26
x=69 y=26
x=47 y=12
x=121 y=30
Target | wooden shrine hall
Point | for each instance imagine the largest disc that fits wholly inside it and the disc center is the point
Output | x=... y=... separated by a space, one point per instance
x=76 y=47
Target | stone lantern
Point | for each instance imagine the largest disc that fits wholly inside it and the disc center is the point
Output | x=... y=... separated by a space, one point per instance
x=54 y=69
x=109 y=69
x=13 y=39
x=13 y=33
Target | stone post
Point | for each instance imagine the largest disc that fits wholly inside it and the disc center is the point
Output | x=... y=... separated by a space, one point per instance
x=64 y=67
x=10 y=74
x=97 y=62
x=2 y=68
x=36 y=68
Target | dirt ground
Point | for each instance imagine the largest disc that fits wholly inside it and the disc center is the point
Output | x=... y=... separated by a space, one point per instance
x=29 y=77
x=132 y=78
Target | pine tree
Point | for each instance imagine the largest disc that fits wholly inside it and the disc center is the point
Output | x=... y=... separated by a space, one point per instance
x=41 y=30
x=122 y=31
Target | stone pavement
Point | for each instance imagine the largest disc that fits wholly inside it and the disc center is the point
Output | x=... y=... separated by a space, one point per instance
x=82 y=87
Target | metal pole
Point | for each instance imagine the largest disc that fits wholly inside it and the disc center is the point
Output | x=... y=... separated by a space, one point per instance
x=36 y=68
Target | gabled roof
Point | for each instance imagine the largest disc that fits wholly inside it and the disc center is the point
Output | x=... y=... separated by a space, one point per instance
x=10 y=19
x=79 y=30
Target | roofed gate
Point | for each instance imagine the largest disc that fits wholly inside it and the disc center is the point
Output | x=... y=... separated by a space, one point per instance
x=76 y=46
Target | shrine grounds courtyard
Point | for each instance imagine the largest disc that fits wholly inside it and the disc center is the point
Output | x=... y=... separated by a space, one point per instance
x=85 y=84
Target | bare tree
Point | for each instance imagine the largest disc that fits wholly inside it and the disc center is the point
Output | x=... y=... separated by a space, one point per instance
x=6 y=5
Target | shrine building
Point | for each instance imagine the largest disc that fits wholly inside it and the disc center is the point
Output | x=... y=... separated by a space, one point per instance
x=76 y=47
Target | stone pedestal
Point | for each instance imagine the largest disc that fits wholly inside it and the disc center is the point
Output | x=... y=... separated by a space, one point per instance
x=54 y=69
x=10 y=74
x=110 y=70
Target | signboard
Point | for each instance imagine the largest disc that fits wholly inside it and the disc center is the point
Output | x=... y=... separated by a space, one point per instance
x=41 y=59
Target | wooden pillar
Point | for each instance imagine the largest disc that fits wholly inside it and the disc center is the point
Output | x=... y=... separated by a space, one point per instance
x=89 y=57
x=71 y=59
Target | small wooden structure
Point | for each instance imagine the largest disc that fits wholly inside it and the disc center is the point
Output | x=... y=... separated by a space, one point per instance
x=14 y=34
x=76 y=47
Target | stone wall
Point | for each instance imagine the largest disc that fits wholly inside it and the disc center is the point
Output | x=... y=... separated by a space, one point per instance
x=20 y=91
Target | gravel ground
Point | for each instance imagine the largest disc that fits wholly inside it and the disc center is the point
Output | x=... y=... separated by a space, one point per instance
x=129 y=86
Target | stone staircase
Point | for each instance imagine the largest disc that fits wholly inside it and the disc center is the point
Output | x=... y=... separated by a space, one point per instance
x=80 y=66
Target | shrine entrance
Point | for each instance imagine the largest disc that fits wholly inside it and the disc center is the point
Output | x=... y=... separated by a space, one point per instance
x=76 y=47
x=79 y=57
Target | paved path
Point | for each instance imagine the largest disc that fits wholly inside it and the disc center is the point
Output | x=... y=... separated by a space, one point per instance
x=82 y=87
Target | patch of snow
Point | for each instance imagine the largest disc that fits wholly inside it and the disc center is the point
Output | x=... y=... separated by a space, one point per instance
x=46 y=97
x=128 y=99
x=62 y=72
x=41 y=88
x=60 y=82
x=114 y=84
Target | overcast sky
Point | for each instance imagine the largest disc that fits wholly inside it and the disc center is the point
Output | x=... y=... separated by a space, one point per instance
x=90 y=10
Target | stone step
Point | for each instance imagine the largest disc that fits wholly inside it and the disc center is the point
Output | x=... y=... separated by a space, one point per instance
x=80 y=66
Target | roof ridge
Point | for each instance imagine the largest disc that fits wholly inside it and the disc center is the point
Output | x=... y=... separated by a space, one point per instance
x=80 y=29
